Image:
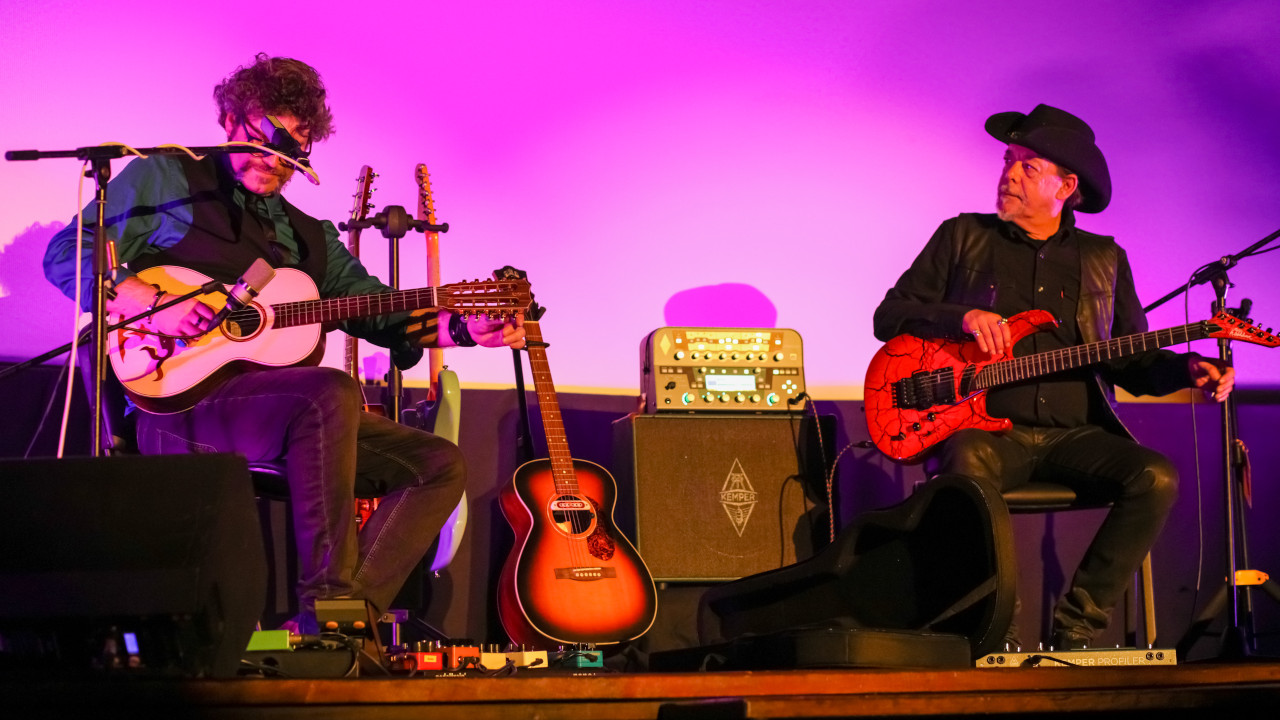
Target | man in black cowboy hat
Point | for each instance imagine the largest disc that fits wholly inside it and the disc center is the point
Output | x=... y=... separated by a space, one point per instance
x=976 y=271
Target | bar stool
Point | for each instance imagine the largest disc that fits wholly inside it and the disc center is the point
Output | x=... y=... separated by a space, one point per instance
x=1045 y=497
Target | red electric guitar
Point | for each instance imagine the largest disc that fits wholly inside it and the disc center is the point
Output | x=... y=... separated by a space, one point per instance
x=571 y=577
x=919 y=392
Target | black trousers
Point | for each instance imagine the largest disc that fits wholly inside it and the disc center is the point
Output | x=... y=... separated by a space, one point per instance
x=311 y=418
x=1140 y=483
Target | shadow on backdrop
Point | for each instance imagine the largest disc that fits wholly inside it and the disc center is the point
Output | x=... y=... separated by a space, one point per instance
x=724 y=305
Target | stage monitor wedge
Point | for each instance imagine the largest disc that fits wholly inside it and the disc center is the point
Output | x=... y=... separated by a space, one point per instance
x=129 y=565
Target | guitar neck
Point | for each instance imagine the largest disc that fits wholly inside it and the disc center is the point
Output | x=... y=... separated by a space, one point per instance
x=1045 y=363
x=351 y=349
x=566 y=480
x=307 y=312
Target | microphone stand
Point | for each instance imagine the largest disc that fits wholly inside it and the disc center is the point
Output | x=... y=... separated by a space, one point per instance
x=1238 y=639
x=99 y=157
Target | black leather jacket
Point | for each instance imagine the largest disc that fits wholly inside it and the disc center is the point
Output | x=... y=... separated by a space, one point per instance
x=955 y=273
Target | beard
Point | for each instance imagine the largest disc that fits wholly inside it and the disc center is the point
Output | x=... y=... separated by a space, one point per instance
x=1004 y=200
x=282 y=173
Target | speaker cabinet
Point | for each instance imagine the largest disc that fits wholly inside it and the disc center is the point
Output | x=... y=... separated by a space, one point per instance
x=133 y=565
x=721 y=497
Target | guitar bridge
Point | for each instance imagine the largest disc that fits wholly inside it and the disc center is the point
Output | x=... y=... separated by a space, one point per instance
x=924 y=389
x=585 y=573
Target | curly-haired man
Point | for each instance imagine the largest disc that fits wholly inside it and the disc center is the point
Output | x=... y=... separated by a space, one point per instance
x=217 y=216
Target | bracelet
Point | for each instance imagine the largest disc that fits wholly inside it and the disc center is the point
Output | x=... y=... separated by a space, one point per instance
x=156 y=300
x=459 y=332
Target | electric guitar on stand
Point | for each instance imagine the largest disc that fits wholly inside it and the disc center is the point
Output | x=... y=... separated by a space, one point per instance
x=920 y=392
x=359 y=210
x=571 y=577
x=444 y=392
x=351 y=348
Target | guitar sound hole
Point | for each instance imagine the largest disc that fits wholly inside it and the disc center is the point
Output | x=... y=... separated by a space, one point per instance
x=243 y=324
x=573 y=515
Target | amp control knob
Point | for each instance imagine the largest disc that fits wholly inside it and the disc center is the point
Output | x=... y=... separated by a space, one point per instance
x=740 y=398
x=708 y=397
x=771 y=399
x=679 y=354
x=755 y=398
x=687 y=398
x=724 y=397
x=777 y=357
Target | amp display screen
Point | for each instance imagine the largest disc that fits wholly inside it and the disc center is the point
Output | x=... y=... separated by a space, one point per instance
x=731 y=383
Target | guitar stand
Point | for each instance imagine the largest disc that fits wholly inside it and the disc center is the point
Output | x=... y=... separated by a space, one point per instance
x=394 y=223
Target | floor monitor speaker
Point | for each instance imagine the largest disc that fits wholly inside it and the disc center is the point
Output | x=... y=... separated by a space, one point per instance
x=129 y=565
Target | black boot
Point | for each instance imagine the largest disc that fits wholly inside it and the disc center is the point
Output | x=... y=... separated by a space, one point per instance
x=1076 y=621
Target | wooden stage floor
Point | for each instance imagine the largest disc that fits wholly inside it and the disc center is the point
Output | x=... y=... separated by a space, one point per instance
x=1199 y=690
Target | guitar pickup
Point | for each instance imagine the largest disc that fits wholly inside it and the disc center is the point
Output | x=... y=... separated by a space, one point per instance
x=585 y=573
x=924 y=389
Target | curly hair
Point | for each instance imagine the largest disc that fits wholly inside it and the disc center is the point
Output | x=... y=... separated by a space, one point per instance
x=274 y=85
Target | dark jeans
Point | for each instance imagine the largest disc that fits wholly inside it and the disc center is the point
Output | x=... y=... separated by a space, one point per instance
x=1141 y=483
x=312 y=419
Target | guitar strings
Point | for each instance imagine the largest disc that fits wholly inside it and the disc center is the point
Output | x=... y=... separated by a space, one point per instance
x=563 y=473
x=1014 y=369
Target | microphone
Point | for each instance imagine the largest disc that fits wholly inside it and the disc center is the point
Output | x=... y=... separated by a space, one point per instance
x=279 y=139
x=245 y=290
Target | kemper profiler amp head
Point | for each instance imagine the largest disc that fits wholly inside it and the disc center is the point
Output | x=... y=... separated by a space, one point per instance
x=740 y=370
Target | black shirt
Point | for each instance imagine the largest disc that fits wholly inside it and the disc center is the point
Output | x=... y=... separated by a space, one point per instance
x=1012 y=273
x=1043 y=275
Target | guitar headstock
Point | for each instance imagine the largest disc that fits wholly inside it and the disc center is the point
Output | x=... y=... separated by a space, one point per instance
x=507 y=272
x=426 y=206
x=1230 y=327
x=494 y=298
x=364 y=194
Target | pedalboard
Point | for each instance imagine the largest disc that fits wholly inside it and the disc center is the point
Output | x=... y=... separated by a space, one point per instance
x=1102 y=657
x=738 y=370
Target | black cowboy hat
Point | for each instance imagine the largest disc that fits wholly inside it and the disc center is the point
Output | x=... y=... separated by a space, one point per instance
x=1065 y=139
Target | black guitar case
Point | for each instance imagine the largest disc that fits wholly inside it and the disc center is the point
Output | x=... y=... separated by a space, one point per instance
x=925 y=583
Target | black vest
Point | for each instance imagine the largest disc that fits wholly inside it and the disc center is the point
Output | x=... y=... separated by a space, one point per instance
x=224 y=240
x=1099 y=267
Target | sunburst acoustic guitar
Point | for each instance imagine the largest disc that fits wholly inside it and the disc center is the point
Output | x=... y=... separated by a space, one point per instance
x=571 y=577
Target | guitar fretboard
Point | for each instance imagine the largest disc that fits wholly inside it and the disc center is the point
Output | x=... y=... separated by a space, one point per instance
x=1022 y=368
x=308 y=312
x=566 y=481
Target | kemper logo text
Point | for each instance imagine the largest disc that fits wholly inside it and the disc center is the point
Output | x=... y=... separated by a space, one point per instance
x=738 y=497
